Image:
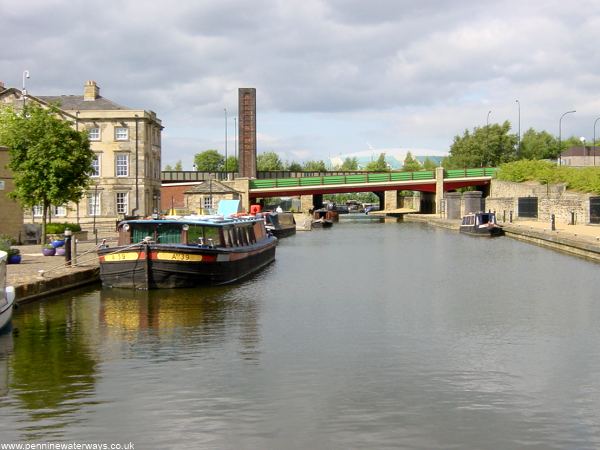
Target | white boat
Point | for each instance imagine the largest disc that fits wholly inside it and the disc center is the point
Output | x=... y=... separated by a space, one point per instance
x=7 y=294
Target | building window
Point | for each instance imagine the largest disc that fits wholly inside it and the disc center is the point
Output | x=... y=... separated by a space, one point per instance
x=122 y=202
x=122 y=165
x=121 y=133
x=59 y=211
x=95 y=166
x=207 y=203
x=94 y=134
x=94 y=204
x=38 y=211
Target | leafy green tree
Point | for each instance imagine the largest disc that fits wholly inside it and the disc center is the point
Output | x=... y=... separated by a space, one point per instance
x=232 y=164
x=485 y=146
x=294 y=167
x=178 y=166
x=50 y=160
x=268 y=161
x=410 y=163
x=350 y=164
x=538 y=145
x=168 y=167
x=379 y=165
x=314 y=166
x=209 y=161
x=428 y=164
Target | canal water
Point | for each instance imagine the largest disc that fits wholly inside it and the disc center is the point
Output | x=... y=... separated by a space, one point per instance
x=369 y=335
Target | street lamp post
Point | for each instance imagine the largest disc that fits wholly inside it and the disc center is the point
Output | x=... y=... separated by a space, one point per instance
x=24 y=91
x=560 y=135
x=582 y=139
x=487 y=133
x=594 y=148
x=225 y=109
x=519 y=128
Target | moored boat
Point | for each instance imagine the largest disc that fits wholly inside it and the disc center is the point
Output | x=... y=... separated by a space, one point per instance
x=481 y=224
x=186 y=252
x=7 y=294
x=280 y=224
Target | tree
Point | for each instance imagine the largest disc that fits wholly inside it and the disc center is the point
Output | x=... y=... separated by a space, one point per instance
x=314 y=166
x=209 y=161
x=428 y=164
x=410 y=163
x=538 y=145
x=268 y=161
x=485 y=146
x=232 y=164
x=294 y=167
x=379 y=165
x=350 y=164
x=50 y=160
x=178 y=166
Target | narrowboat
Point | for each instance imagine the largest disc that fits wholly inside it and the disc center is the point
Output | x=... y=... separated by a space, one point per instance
x=481 y=224
x=183 y=252
x=7 y=295
x=280 y=224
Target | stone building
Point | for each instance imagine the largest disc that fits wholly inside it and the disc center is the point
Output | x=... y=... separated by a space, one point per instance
x=11 y=216
x=127 y=145
x=204 y=198
x=581 y=156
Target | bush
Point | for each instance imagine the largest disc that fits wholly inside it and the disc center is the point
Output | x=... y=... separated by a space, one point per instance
x=582 y=179
x=59 y=228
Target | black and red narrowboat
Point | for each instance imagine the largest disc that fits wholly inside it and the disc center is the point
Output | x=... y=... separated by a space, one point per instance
x=186 y=252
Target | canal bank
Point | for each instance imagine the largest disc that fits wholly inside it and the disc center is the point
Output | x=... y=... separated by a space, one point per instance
x=577 y=240
x=39 y=276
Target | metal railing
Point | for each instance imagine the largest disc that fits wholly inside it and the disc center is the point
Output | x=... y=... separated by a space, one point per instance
x=379 y=177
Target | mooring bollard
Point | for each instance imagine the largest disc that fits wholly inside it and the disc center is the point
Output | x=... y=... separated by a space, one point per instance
x=68 y=237
x=553 y=222
x=510 y=216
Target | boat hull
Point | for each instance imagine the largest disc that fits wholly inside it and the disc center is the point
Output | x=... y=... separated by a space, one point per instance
x=283 y=232
x=153 y=266
x=482 y=231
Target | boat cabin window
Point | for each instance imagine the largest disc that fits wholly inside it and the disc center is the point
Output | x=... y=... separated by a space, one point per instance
x=199 y=234
x=468 y=220
x=163 y=233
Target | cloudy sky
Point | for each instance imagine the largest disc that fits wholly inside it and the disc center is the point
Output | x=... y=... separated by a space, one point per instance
x=332 y=76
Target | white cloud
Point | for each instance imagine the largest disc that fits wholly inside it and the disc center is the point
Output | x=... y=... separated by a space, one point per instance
x=395 y=72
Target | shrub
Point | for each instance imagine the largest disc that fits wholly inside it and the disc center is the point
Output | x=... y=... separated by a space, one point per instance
x=59 y=228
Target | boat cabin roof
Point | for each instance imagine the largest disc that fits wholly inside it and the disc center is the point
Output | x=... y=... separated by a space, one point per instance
x=215 y=221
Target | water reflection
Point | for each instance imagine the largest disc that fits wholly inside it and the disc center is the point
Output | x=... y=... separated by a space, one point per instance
x=6 y=348
x=53 y=369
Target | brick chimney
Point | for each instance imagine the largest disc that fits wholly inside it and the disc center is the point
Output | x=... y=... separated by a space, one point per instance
x=91 y=91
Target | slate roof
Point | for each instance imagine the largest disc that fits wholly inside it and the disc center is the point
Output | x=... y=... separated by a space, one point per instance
x=581 y=151
x=213 y=186
x=76 y=103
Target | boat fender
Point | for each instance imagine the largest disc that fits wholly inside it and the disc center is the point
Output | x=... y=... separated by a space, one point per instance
x=10 y=294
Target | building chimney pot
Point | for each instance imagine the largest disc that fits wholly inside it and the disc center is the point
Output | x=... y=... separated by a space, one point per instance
x=91 y=91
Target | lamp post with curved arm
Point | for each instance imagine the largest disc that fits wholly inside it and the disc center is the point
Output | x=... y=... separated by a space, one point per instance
x=560 y=135
x=519 y=128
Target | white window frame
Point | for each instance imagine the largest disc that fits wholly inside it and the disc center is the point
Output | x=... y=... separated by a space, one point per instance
x=94 y=203
x=96 y=171
x=119 y=166
x=94 y=134
x=59 y=211
x=122 y=202
x=207 y=203
x=37 y=211
x=121 y=134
